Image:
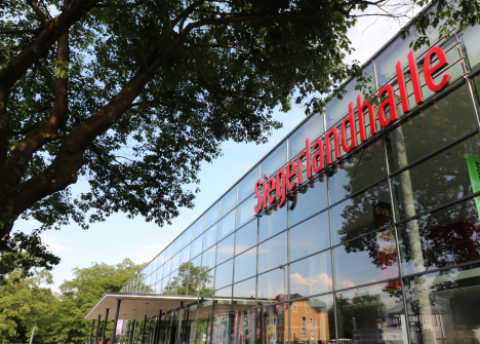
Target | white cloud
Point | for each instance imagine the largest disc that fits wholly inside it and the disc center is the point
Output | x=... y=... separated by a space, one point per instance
x=347 y=284
x=56 y=244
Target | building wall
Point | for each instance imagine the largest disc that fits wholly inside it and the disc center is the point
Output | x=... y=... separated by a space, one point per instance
x=385 y=243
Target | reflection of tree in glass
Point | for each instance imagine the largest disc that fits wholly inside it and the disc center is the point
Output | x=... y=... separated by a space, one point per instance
x=362 y=313
x=181 y=285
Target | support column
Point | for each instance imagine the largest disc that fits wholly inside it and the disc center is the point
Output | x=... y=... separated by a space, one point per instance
x=144 y=327
x=133 y=331
x=115 y=322
x=179 y=326
x=158 y=329
x=91 y=332
x=96 y=332
x=105 y=325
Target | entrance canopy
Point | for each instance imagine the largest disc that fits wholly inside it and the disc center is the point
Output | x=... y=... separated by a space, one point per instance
x=136 y=306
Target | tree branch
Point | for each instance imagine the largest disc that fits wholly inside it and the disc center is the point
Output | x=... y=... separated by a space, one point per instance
x=187 y=12
x=15 y=32
x=38 y=12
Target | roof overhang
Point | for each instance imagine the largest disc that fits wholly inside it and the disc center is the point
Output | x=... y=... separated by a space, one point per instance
x=137 y=306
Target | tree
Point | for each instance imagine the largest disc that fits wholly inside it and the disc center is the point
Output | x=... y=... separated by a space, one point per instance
x=82 y=293
x=24 y=303
x=133 y=95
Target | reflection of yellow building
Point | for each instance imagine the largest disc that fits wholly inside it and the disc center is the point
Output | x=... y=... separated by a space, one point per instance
x=308 y=322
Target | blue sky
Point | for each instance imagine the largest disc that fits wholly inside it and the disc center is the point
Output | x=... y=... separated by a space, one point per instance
x=118 y=238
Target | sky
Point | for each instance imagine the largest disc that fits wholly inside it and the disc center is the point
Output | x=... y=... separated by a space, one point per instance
x=119 y=237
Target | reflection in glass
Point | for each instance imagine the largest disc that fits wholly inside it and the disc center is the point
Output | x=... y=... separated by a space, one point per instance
x=224 y=274
x=311 y=276
x=361 y=214
x=436 y=181
x=244 y=294
x=185 y=254
x=444 y=306
x=226 y=225
x=309 y=237
x=245 y=211
x=206 y=282
x=246 y=237
x=210 y=237
x=365 y=260
x=225 y=249
x=211 y=216
x=221 y=328
x=311 y=320
x=244 y=327
x=208 y=258
x=228 y=202
x=312 y=128
x=247 y=184
x=445 y=121
x=358 y=172
x=166 y=268
x=246 y=264
x=198 y=226
x=175 y=262
x=272 y=222
x=372 y=315
x=204 y=322
x=272 y=253
x=444 y=238
x=271 y=287
x=196 y=265
x=187 y=236
x=470 y=37
x=275 y=160
x=272 y=324
x=197 y=246
x=308 y=200
x=223 y=302
x=177 y=245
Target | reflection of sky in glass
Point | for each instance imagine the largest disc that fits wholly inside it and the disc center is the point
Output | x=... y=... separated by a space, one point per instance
x=246 y=237
x=311 y=276
x=246 y=264
x=272 y=253
x=309 y=237
x=225 y=249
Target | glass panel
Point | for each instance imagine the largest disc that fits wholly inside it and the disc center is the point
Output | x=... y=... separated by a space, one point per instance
x=224 y=274
x=472 y=46
x=449 y=119
x=221 y=328
x=244 y=294
x=447 y=237
x=310 y=199
x=245 y=211
x=360 y=171
x=177 y=245
x=166 y=268
x=210 y=237
x=368 y=259
x=336 y=109
x=187 y=236
x=313 y=128
x=272 y=253
x=160 y=273
x=373 y=314
x=211 y=216
x=226 y=225
x=270 y=331
x=439 y=180
x=244 y=327
x=196 y=266
x=246 y=264
x=272 y=224
x=225 y=249
x=175 y=262
x=309 y=237
x=168 y=252
x=183 y=276
x=193 y=285
x=204 y=322
x=247 y=184
x=228 y=202
x=246 y=237
x=197 y=246
x=185 y=254
x=271 y=287
x=208 y=258
x=312 y=320
x=444 y=307
x=361 y=214
x=206 y=279
x=274 y=161
x=198 y=227
x=311 y=276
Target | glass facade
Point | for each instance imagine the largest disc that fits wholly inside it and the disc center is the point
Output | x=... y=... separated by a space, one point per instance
x=382 y=247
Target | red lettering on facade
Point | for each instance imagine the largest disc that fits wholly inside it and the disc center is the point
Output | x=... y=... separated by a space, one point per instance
x=390 y=102
x=415 y=80
x=333 y=132
x=281 y=194
x=291 y=172
x=429 y=70
x=350 y=119
x=361 y=120
x=402 y=87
